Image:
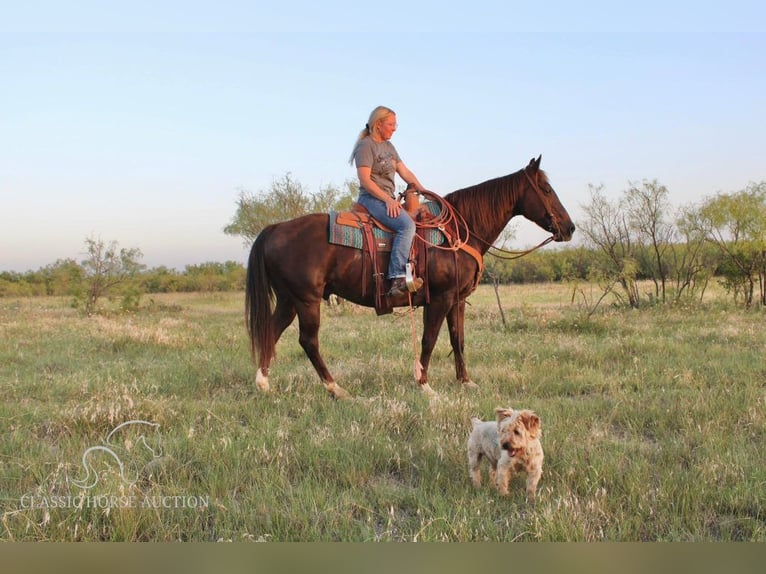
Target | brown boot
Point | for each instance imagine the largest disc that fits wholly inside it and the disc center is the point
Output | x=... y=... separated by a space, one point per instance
x=398 y=287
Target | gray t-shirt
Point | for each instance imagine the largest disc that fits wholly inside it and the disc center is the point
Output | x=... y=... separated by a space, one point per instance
x=381 y=158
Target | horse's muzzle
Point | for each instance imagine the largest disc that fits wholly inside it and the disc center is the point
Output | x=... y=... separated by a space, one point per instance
x=564 y=232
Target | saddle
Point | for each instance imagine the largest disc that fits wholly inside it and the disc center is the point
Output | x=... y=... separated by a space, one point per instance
x=357 y=228
x=436 y=223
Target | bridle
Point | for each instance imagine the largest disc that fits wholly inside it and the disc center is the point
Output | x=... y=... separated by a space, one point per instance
x=450 y=215
x=544 y=197
x=508 y=254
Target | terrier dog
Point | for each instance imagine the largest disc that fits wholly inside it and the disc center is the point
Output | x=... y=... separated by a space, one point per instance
x=511 y=444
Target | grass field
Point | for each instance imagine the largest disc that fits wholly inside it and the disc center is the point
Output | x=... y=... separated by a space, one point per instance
x=653 y=424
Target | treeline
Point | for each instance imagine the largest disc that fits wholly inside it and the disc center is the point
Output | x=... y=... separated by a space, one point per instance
x=67 y=277
x=634 y=238
x=551 y=264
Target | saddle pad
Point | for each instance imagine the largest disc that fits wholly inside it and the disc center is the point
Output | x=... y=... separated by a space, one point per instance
x=344 y=230
x=351 y=236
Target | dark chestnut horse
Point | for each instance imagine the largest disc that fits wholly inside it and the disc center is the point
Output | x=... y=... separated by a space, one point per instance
x=294 y=263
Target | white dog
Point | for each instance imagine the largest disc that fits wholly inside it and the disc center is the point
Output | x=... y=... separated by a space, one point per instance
x=510 y=444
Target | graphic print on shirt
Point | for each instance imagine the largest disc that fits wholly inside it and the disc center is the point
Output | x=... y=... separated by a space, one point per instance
x=384 y=163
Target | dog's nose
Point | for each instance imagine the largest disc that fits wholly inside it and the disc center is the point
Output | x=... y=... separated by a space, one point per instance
x=506 y=446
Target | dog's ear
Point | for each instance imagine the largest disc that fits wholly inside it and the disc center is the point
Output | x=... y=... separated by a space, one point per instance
x=532 y=422
x=503 y=413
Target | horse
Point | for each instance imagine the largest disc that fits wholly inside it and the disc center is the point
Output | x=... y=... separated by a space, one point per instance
x=292 y=267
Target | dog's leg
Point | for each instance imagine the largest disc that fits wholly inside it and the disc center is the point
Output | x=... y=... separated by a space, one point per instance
x=503 y=477
x=474 y=464
x=533 y=477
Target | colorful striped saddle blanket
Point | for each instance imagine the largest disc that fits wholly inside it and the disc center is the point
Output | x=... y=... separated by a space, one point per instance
x=345 y=229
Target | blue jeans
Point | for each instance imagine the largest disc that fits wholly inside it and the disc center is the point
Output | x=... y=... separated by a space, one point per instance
x=404 y=232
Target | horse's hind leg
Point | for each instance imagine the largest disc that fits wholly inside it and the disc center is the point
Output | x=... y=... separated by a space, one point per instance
x=308 y=322
x=284 y=313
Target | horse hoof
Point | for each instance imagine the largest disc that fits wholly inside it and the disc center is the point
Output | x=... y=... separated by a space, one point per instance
x=262 y=382
x=426 y=389
x=470 y=386
x=337 y=392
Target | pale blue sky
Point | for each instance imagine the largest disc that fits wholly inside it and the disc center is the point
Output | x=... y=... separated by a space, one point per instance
x=140 y=122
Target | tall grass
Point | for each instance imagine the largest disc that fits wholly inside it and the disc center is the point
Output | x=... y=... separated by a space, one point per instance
x=653 y=424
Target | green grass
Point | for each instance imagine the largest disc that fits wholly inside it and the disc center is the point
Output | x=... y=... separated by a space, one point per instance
x=653 y=424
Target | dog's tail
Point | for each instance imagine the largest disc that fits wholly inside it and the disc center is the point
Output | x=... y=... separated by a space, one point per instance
x=475 y=421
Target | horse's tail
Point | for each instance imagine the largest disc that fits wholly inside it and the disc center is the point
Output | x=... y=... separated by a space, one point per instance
x=259 y=297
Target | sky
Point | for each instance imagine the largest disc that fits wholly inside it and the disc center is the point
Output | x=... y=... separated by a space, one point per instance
x=142 y=122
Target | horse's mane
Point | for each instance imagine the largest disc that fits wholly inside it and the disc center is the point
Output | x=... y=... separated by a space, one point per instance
x=482 y=203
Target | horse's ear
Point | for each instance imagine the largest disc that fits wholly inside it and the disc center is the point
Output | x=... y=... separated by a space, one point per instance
x=535 y=163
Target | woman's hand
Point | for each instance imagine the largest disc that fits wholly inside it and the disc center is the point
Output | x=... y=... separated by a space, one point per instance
x=393 y=207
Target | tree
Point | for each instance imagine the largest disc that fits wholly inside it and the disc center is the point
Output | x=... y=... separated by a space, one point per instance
x=638 y=237
x=736 y=224
x=286 y=199
x=692 y=261
x=106 y=268
x=608 y=229
x=211 y=276
x=64 y=277
x=647 y=209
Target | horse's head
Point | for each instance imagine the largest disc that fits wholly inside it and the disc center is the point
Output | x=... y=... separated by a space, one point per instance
x=542 y=205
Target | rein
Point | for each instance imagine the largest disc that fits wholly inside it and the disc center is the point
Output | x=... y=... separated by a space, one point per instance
x=448 y=215
x=510 y=255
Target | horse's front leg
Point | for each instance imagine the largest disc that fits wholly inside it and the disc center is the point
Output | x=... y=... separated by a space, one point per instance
x=433 y=318
x=308 y=322
x=455 y=321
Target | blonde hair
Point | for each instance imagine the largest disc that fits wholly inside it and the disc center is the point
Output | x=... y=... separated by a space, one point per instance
x=378 y=114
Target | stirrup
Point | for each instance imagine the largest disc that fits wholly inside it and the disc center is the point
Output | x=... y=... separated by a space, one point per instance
x=413 y=283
